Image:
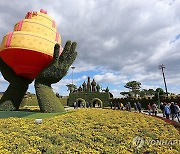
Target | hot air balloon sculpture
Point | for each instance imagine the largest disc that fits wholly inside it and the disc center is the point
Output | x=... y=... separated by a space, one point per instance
x=29 y=48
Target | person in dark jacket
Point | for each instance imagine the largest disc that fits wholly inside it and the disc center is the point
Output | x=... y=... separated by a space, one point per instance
x=175 y=112
x=116 y=105
x=172 y=107
x=139 y=107
x=135 y=107
x=111 y=105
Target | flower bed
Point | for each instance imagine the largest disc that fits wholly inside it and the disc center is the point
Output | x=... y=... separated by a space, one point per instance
x=87 y=131
x=174 y=123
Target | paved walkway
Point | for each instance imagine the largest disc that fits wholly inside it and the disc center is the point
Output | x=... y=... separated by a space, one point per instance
x=69 y=108
x=160 y=115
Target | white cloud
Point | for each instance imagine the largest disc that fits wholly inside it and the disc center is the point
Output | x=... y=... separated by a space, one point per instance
x=109 y=78
x=116 y=93
x=62 y=84
x=110 y=44
x=149 y=87
x=152 y=76
x=125 y=37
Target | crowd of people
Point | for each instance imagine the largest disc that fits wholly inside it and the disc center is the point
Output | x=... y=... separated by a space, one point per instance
x=120 y=106
x=168 y=109
x=82 y=104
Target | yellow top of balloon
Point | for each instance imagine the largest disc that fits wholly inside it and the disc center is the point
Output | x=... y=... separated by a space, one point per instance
x=36 y=32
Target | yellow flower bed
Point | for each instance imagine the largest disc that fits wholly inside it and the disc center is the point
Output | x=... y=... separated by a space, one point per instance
x=87 y=131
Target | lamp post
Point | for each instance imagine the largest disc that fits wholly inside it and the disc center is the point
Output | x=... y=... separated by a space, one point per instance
x=162 y=68
x=72 y=72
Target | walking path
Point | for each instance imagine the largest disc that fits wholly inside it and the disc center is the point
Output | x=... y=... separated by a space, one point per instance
x=69 y=108
x=160 y=115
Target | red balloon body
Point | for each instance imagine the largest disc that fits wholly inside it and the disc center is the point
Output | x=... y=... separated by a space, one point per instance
x=25 y=63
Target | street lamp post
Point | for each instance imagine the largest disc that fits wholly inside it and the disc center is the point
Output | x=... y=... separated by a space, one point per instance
x=72 y=72
x=162 y=68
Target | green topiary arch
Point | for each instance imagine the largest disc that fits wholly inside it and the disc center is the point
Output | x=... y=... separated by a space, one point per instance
x=97 y=99
x=81 y=99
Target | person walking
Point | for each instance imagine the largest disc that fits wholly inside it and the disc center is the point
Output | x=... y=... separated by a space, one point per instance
x=115 y=105
x=178 y=109
x=122 y=106
x=162 y=108
x=172 y=107
x=149 y=108
x=139 y=107
x=154 y=109
x=129 y=106
x=135 y=107
x=118 y=106
x=167 y=110
x=111 y=105
x=87 y=104
x=75 y=104
x=176 y=113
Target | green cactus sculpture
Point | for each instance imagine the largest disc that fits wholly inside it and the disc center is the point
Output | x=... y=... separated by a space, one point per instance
x=57 y=69
x=16 y=90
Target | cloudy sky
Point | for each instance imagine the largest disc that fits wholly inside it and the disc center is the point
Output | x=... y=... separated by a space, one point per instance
x=118 y=40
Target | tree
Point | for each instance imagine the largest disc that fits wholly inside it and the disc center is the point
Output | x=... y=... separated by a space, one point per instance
x=151 y=92
x=160 y=90
x=134 y=87
x=71 y=87
x=143 y=93
x=126 y=94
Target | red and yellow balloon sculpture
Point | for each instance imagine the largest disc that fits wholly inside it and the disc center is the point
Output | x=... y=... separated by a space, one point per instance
x=29 y=48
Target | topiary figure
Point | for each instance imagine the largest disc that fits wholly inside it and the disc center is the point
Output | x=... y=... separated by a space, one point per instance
x=53 y=73
x=98 y=88
x=93 y=84
x=89 y=85
x=84 y=86
x=16 y=90
x=80 y=88
x=107 y=90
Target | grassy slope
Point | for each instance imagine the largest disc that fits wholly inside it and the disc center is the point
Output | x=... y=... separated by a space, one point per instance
x=24 y=114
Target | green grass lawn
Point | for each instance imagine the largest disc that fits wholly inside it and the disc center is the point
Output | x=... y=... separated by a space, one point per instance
x=27 y=114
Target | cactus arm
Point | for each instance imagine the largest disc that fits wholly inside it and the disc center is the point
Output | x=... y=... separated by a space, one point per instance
x=53 y=73
x=48 y=101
